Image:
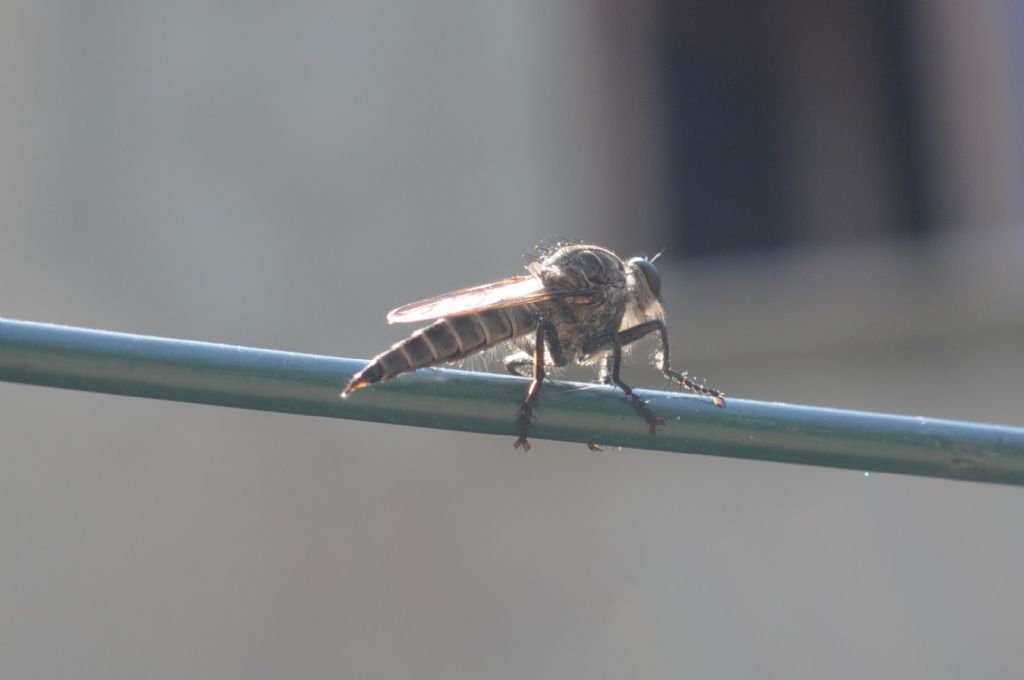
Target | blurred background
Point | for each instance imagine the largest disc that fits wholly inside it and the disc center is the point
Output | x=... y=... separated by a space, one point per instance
x=839 y=187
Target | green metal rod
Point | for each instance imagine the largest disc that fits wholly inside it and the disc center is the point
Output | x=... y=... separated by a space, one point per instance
x=243 y=377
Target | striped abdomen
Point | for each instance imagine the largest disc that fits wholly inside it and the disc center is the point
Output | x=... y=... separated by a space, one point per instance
x=448 y=339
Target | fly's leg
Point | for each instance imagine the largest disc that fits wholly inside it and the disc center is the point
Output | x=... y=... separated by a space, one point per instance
x=604 y=374
x=526 y=408
x=636 y=332
x=545 y=332
x=609 y=373
x=520 y=364
x=612 y=365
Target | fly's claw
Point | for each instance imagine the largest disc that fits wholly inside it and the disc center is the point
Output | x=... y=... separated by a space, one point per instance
x=523 y=421
x=652 y=418
x=522 y=441
x=653 y=421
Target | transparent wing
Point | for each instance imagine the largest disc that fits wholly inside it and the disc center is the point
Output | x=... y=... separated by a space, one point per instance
x=517 y=290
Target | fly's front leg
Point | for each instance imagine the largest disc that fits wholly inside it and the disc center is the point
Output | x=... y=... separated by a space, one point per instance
x=682 y=378
x=636 y=332
x=609 y=370
x=612 y=365
x=609 y=375
x=545 y=333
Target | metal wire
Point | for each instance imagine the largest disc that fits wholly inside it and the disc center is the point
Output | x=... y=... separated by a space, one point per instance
x=262 y=379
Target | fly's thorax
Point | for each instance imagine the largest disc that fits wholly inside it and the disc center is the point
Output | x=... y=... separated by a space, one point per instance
x=577 y=323
x=637 y=313
x=580 y=267
x=599 y=272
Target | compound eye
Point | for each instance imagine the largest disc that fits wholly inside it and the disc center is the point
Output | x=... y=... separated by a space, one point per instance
x=650 y=273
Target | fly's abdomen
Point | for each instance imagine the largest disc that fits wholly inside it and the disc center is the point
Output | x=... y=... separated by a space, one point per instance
x=446 y=340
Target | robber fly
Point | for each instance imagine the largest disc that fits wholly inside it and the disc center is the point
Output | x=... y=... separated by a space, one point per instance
x=579 y=303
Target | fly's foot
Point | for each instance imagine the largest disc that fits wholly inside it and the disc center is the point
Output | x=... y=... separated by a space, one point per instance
x=697 y=388
x=523 y=423
x=652 y=418
x=594 y=446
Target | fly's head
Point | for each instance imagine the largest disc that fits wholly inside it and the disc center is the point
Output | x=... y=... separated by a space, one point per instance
x=644 y=283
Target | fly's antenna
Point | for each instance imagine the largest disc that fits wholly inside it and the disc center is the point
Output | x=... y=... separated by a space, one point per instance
x=659 y=254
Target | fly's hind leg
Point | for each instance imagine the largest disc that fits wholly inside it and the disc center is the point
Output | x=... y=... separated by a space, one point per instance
x=545 y=333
